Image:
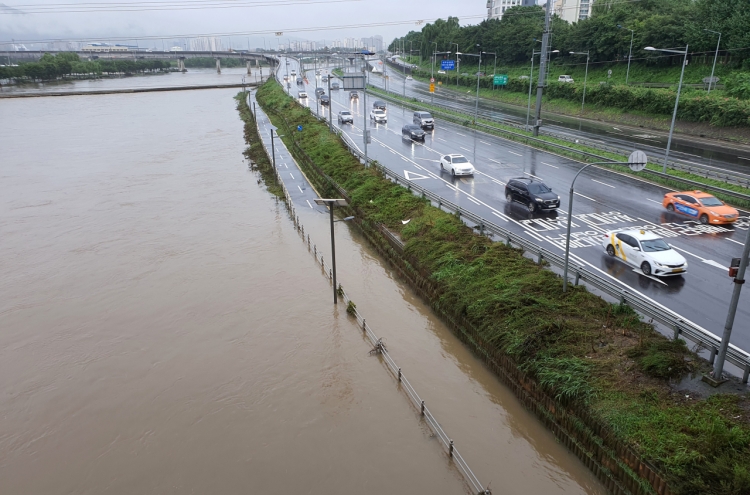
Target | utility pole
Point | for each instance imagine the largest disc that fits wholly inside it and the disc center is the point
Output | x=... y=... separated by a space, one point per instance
x=542 y=69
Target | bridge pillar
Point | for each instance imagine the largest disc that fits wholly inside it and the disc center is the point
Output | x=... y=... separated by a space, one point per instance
x=218 y=66
x=247 y=63
x=181 y=64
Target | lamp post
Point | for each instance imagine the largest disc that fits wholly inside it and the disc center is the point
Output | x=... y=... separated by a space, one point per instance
x=456 y=64
x=677 y=100
x=585 y=77
x=531 y=77
x=716 y=55
x=636 y=161
x=630 y=53
x=432 y=73
x=476 y=104
x=273 y=151
x=330 y=203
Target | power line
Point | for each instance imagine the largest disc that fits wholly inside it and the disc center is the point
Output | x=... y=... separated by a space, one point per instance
x=157 y=6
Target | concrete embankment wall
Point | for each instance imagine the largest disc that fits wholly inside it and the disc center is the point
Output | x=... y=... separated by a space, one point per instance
x=123 y=91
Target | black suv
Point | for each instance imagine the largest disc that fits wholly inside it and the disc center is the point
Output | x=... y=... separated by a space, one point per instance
x=410 y=131
x=532 y=193
x=380 y=105
x=325 y=100
x=319 y=91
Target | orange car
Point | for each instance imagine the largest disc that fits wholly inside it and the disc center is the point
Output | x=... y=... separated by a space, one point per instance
x=700 y=205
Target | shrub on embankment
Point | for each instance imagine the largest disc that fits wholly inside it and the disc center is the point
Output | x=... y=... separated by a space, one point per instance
x=582 y=350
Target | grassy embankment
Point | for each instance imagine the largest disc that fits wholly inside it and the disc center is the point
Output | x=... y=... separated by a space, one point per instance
x=579 y=348
x=673 y=181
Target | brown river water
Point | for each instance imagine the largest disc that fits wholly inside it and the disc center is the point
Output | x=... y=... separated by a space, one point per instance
x=163 y=329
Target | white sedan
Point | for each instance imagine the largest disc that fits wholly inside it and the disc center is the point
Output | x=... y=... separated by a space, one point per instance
x=645 y=250
x=378 y=116
x=456 y=165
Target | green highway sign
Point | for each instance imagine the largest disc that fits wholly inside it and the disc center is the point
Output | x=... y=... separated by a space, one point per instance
x=500 y=80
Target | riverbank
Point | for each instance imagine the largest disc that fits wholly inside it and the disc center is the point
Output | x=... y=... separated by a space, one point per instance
x=599 y=377
x=118 y=91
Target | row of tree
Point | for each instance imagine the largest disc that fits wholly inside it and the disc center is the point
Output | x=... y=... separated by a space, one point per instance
x=657 y=23
x=51 y=67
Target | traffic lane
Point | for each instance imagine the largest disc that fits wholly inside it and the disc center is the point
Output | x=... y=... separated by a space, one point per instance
x=590 y=220
x=704 y=153
x=477 y=192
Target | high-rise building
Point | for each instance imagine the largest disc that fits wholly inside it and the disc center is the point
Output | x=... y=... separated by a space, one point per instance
x=496 y=8
x=573 y=10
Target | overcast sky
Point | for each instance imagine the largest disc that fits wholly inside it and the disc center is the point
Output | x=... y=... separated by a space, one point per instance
x=53 y=19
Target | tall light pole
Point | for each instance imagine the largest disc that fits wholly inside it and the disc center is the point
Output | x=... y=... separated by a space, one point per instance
x=636 y=162
x=432 y=73
x=531 y=77
x=585 y=77
x=456 y=62
x=476 y=105
x=330 y=203
x=716 y=55
x=630 y=53
x=542 y=68
x=676 y=101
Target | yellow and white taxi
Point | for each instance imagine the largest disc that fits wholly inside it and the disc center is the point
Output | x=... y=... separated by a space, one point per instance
x=645 y=250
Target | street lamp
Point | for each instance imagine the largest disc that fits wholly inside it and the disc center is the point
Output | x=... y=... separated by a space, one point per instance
x=716 y=55
x=457 y=66
x=630 y=53
x=677 y=100
x=330 y=203
x=585 y=77
x=637 y=162
x=476 y=105
x=273 y=149
x=432 y=73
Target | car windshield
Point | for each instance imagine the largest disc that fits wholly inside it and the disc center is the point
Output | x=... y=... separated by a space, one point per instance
x=536 y=188
x=711 y=201
x=377 y=112
x=460 y=159
x=653 y=245
x=345 y=113
x=426 y=116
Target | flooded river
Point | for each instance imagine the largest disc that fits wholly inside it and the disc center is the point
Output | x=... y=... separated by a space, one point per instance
x=164 y=330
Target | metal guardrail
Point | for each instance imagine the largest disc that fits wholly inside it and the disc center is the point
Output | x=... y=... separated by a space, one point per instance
x=656 y=312
x=380 y=348
x=702 y=170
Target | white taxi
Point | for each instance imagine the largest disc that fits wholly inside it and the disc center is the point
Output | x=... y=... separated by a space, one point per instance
x=645 y=250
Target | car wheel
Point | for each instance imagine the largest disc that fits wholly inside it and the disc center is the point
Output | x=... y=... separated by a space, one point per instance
x=670 y=207
x=531 y=206
x=610 y=250
x=704 y=219
x=509 y=198
x=646 y=268
x=441 y=167
x=453 y=172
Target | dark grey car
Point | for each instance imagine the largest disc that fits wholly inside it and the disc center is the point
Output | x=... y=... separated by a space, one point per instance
x=413 y=132
x=346 y=117
x=380 y=105
x=534 y=194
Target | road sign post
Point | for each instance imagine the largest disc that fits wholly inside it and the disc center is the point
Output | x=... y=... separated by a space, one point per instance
x=448 y=65
x=500 y=80
x=432 y=87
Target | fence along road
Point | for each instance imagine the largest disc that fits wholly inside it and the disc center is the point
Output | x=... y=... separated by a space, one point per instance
x=677 y=324
x=305 y=195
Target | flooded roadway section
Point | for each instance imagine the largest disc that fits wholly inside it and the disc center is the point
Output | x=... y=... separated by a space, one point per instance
x=163 y=329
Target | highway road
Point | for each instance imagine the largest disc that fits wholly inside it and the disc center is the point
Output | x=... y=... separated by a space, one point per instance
x=604 y=201
x=695 y=150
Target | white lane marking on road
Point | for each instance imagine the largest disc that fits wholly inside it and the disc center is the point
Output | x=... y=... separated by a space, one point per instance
x=581 y=195
x=513 y=152
x=300 y=189
x=287 y=166
x=451 y=187
x=488 y=144
x=653 y=201
x=308 y=203
x=404 y=159
x=531 y=175
x=441 y=139
x=603 y=183
x=656 y=279
x=498 y=182
x=464 y=135
x=704 y=260
x=553 y=166
x=291 y=175
x=736 y=242
x=467 y=149
x=743 y=158
x=502 y=217
x=414 y=175
x=472 y=200
x=490 y=159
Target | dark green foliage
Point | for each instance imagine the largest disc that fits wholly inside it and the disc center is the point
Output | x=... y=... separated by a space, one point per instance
x=661 y=358
x=64 y=64
x=210 y=62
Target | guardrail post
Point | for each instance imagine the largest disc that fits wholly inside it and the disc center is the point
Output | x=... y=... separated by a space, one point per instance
x=330 y=274
x=539 y=258
x=422 y=409
x=746 y=374
x=399 y=374
x=676 y=332
x=315 y=251
x=578 y=277
x=507 y=242
x=364 y=325
x=450 y=449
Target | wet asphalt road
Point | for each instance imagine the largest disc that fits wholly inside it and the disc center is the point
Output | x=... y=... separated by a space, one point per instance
x=604 y=201
x=705 y=152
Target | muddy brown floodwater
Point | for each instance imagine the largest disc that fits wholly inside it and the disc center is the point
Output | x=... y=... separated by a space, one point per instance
x=164 y=330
